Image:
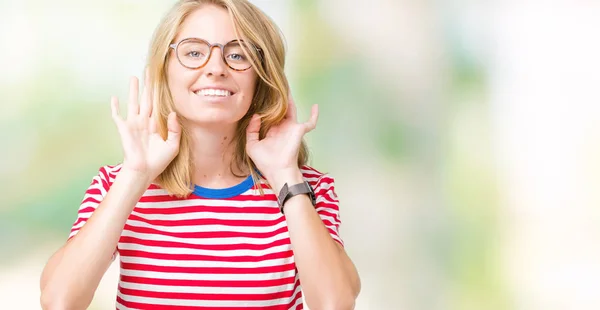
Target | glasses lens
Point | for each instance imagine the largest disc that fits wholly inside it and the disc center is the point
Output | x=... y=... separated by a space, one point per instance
x=236 y=57
x=193 y=53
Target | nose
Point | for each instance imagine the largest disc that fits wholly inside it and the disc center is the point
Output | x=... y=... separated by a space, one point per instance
x=215 y=64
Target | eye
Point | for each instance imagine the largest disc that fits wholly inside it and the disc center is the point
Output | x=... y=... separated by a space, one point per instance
x=236 y=57
x=195 y=54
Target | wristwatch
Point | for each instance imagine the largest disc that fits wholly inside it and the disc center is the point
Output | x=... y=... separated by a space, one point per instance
x=288 y=192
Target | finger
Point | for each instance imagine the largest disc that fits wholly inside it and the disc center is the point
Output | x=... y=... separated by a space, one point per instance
x=146 y=104
x=253 y=130
x=133 y=107
x=291 y=111
x=314 y=117
x=114 y=108
x=174 y=128
x=153 y=126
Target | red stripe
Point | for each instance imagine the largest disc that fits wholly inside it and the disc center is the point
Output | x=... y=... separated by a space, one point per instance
x=212 y=247
x=327 y=222
x=202 y=208
x=136 y=305
x=93 y=191
x=167 y=198
x=200 y=296
x=322 y=191
x=327 y=179
x=104 y=178
x=206 y=234
x=79 y=220
x=339 y=241
x=257 y=197
x=198 y=257
x=324 y=204
x=298 y=296
x=159 y=198
x=209 y=221
x=332 y=232
x=262 y=185
x=209 y=270
x=324 y=212
x=209 y=283
x=305 y=167
x=155 y=186
x=87 y=209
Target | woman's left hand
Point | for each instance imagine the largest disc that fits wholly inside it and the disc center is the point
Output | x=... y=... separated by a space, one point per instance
x=278 y=151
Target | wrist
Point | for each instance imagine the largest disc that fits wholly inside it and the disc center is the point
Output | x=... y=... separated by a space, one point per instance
x=134 y=178
x=290 y=176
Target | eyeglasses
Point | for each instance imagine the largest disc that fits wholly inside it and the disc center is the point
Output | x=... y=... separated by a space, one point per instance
x=194 y=53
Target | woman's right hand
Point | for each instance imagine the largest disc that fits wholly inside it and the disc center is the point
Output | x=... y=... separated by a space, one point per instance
x=145 y=152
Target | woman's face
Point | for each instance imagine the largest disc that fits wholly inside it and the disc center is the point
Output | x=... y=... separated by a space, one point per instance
x=214 y=94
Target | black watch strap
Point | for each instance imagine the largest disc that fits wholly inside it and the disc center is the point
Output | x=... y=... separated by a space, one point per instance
x=288 y=192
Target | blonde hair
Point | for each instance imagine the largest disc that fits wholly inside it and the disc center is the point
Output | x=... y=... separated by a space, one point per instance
x=270 y=97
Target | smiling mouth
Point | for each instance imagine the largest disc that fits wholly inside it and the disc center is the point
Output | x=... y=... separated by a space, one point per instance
x=211 y=92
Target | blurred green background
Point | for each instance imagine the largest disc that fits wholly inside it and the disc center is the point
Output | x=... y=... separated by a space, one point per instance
x=463 y=137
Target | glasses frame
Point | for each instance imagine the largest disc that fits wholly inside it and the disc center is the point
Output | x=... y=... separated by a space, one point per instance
x=175 y=47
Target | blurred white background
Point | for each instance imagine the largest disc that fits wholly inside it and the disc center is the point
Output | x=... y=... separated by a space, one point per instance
x=464 y=138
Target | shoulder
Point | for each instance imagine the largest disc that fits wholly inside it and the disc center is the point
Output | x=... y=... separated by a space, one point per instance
x=110 y=170
x=107 y=174
x=315 y=177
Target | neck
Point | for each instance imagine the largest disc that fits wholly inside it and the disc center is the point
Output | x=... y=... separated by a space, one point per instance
x=213 y=150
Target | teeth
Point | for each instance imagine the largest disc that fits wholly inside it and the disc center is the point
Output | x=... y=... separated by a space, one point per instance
x=214 y=92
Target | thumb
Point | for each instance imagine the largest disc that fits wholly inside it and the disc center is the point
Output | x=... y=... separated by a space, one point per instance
x=174 y=128
x=253 y=130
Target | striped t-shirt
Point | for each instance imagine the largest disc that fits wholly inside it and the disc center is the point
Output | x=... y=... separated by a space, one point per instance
x=216 y=249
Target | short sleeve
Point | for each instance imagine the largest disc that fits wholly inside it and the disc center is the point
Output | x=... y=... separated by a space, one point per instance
x=327 y=205
x=93 y=196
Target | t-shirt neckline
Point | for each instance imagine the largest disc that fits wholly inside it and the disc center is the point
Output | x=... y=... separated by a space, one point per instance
x=221 y=193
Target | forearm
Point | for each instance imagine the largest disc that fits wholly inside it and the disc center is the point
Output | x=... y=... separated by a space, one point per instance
x=328 y=276
x=73 y=274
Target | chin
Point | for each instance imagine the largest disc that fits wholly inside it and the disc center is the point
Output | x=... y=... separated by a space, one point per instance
x=211 y=119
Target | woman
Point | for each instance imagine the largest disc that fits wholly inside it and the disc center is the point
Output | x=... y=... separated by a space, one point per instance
x=209 y=208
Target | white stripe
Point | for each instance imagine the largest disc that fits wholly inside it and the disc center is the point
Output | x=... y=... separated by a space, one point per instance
x=205 y=263
x=98 y=197
x=329 y=218
x=204 y=303
x=250 y=192
x=331 y=196
x=328 y=210
x=208 y=276
x=207 y=241
x=210 y=215
x=207 y=289
x=208 y=203
x=324 y=185
x=78 y=226
x=337 y=238
x=311 y=180
x=121 y=307
x=299 y=300
x=209 y=228
x=100 y=180
x=221 y=253
x=328 y=196
x=87 y=204
x=256 y=192
x=84 y=215
x=155 y=192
